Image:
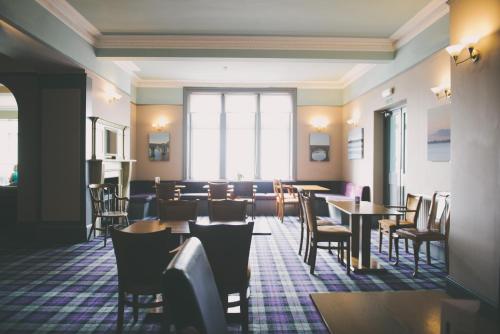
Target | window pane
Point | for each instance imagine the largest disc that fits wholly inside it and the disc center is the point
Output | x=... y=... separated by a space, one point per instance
x=276 y=142
x=240 y=135
x=204 y=154
x=8 y=149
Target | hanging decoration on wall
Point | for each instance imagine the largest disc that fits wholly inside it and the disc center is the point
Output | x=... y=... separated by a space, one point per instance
x=319 y=147
x=355 y=144
x=159 y=146
x=438 y=133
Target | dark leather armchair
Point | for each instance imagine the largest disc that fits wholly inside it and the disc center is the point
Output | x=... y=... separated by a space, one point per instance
x=140 y=259
x=217 y=190
x=227 y=210
x=227 y=246
x=191 y=292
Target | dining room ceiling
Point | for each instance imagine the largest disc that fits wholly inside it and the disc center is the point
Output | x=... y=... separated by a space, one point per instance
x=327 y=18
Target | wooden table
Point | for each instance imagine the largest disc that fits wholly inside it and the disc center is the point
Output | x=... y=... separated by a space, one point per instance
x=401 y=312
x=361 y=231
x=229 y=186
x=181 y=227
x=309 y=187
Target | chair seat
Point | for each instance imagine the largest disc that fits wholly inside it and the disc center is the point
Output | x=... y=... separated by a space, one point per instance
x=425 y=235
x=334 y=229
x=111 y=214
x=323 y=222
x=387 y=224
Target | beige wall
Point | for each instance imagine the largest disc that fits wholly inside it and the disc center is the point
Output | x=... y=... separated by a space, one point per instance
x=146 y=116
x=412 y=86
x=309 y=170
x=172 y=170
x=118 y=111
x=475 y=173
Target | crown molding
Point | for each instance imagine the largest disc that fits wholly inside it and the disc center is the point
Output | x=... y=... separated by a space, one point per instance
x=181 y=83
x=68 y=15
x=355 y=73
x=244 y=43
x=432 y=12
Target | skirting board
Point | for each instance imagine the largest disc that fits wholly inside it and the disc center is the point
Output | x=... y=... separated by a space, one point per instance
x=455 y=289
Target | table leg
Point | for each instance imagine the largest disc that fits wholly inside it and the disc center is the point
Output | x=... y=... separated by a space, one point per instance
x=361 y=261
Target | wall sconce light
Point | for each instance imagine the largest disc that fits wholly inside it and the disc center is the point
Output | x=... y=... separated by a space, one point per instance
x=352 y=121
x=441 y=91
x=466 y=43
x=112 y=96
x=160 y=124
x=319 y=123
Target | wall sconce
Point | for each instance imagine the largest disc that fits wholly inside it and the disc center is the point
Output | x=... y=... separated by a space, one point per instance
x=319 y=123
x=160 y=124
x=352 y=121
x=466 y=43
x=441 y=91
x=112 y=96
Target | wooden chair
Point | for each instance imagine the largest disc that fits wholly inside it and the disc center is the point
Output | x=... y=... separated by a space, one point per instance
x=228 y=248
x=328 y=233
x=178 y=210
x=108 y=207
x=439 y=215
x=192 y=293
x=227 y=210
x=389 y=226
x=217 y=190
x=284 y=199
x=141 y=259
x=166 y=191
x=244 y=191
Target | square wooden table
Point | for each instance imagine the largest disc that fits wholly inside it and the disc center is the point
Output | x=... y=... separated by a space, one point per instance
x=309 y=187
x=361 y=231
x=401 y=312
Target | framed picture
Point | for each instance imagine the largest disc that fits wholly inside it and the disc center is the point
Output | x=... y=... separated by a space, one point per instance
x=159 y=146
x=439 y=133
x=319 y=147
x=355 y=144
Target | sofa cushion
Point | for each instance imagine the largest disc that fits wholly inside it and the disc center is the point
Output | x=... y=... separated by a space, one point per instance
x=142 y=198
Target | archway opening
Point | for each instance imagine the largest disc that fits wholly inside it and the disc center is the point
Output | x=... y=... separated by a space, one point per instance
x=8 y=138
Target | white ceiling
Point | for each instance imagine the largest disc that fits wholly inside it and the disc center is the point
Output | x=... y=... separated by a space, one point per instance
x=334 y=18
x=182 y=71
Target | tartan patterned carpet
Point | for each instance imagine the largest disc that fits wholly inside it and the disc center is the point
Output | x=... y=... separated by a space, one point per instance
x=72 y=289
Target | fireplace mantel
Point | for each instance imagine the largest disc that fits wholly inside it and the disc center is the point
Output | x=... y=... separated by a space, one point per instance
x=101 y=169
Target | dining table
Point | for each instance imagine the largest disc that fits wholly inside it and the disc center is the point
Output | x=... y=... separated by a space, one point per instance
x=360 y=219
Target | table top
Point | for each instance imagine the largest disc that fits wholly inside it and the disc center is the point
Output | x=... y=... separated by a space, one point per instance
x=402 y=312
x=182 y=226
x=149 y=226
x=309 y=187
x=363 y=208
x=178 y=186
x=230 y=186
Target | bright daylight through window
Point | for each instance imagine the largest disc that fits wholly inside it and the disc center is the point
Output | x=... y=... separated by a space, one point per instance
x=239 y=134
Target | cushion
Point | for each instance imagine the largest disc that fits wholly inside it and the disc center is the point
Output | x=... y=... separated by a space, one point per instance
x=333 y=229
x=388 y=223
x=414 y=233
x=142 y=198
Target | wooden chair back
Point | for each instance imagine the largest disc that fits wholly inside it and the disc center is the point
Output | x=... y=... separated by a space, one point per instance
x=165 y=191
x=228 y=248
x=104 y=198
x=217 y=190
x=439 y=213
x=141 y=258
x=307 y=202
x=191 y=291
x=177 y=210
x=243 y=189
x=227 y=210
x=413 y=203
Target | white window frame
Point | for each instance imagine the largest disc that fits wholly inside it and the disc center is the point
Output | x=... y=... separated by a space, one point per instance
x=222 y=163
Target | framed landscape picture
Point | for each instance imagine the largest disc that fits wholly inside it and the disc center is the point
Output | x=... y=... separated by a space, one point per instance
x=159 y=146
x=439 y=133
x=355 y=144
x=319 y=147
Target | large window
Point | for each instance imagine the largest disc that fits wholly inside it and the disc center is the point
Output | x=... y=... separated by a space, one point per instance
x=233 y=134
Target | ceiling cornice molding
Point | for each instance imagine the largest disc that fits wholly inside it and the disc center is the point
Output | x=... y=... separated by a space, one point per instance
x=435 y=10
x=354 y=74
x=181 y=83
x=68 y=15
x=244 y=43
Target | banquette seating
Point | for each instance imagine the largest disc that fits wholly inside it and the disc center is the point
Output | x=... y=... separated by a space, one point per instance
x=143 y=199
